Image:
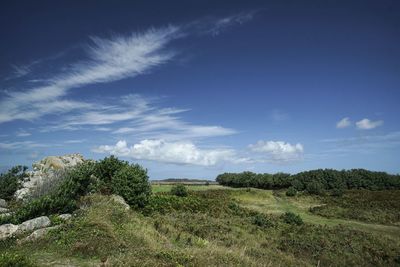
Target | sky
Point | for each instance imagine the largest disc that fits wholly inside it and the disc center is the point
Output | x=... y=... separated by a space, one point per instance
x=192 y=89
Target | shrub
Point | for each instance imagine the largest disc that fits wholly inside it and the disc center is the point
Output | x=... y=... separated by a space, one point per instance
x=11 y=181
x=8 y=259
x=261 y=220
x=292 y=218
x=105 y=170
x=291 y=192
x=131 y=182
x=179 y=190
x=337 y=192
x=315 y=188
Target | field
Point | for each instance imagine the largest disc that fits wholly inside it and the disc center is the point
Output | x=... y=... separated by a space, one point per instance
x=220 y=226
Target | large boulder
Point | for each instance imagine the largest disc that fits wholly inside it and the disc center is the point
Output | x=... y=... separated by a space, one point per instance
x=37 y=223
x=46 y=171
x=7 y=230
x=40 y=233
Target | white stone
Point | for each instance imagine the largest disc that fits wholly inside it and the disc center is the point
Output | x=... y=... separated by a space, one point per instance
x=46 y=170
x=7 y=230
x=3 y=203
x=65 y=217
x=37 y=223
x=120 y=200
x=40 y=233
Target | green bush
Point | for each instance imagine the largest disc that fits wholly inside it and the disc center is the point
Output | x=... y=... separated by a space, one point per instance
x=8 y=259
x=105 y=170
x=315 y=188
x=291 y=192
x=292 y=218
x=131 y=182
x=179 y=190
x=11 y=181
x=337 y=192
x=261 y=220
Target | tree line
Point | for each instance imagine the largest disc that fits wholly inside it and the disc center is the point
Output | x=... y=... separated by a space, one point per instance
x=314 y=181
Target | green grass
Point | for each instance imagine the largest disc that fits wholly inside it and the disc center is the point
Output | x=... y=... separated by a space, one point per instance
x=267 y=201
x=214 y=227
x=157 y=188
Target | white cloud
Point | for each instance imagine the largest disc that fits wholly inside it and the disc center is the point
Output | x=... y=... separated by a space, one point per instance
x=343 y=123
x=21 y=145
x=109 y=60
x=169 y=152
x=23 y=133
x=366 y=124
x=278 y=151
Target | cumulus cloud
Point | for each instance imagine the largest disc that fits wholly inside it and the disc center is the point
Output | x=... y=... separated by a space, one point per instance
x=169 y=152
x=343 y=123
x=278 y=151
x=366 y=124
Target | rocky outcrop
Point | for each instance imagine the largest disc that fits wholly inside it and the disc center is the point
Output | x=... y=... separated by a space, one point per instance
x=45 y=171
x=7 y=230
x=40 y=233
x=37 y=223
x=121 y=201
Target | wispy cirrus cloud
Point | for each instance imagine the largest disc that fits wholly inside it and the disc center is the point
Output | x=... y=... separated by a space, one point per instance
x=107 y=60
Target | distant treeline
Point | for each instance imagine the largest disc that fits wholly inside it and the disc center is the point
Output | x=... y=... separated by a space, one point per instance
x=313 y=181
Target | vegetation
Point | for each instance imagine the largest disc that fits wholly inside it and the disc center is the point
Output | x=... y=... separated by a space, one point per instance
x=114 y=176
x=11 y=181
x=200 y=225
x=314 y=182
x=179 y=190
x=363 y=205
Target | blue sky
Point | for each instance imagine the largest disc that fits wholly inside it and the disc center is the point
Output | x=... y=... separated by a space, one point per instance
x=196 y=88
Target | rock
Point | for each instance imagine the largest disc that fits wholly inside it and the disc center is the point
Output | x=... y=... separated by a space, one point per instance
x=120 y=200
x=3 y=203
x=7 y=230
x=37 y=223
x=46 y=171
x=4 y=210
x=65 y=217
x=40 y=233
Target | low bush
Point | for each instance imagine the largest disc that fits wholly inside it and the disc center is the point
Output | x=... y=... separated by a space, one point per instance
x=261 y=220
x=179 y=190
x=11 y=181
x=292 y=218
x=131 y=182
x=291 y=192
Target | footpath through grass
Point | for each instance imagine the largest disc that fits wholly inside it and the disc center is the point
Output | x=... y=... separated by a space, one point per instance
x=266 y=201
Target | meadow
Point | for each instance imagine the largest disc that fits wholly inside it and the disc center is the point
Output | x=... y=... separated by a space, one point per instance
x=215 y=226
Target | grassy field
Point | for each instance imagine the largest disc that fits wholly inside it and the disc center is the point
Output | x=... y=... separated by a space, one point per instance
x=212 y=226
x=159 y=187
